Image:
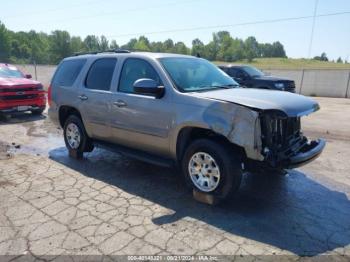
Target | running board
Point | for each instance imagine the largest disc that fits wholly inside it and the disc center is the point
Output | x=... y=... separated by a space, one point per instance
x=136 y=154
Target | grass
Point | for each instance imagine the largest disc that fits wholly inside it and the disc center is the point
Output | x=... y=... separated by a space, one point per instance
x=290 y=63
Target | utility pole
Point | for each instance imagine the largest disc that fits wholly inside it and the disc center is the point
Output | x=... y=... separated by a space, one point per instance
x=313 y=28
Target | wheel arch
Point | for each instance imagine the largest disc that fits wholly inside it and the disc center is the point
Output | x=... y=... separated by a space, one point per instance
x=190 y=133
x=65 y=111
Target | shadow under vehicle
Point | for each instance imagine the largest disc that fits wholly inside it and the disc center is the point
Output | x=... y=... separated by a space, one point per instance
x=293 y=212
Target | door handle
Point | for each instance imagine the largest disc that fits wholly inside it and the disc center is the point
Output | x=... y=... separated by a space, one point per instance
x=83 y=97
x=120 y=103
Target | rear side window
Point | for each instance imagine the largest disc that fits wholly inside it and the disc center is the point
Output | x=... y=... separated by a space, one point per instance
x=68 y=72
x=100 y=74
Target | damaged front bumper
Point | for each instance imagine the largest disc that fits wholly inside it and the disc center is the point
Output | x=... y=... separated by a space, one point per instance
x=307 y=154
x=284 y=145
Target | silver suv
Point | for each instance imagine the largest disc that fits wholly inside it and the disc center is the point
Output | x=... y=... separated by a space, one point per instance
x=179 y=110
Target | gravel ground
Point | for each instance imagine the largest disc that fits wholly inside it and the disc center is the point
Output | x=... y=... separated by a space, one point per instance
x=107 y=204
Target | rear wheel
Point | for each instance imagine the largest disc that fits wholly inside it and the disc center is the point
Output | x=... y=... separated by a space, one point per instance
x=76 y=138
x=212 y=168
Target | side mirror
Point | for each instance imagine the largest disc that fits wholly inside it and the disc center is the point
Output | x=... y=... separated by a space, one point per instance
x=28 y=76
x=146 y=86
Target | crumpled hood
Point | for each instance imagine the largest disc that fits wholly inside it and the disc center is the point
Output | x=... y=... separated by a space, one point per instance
x=8 y=82
x=292 y=105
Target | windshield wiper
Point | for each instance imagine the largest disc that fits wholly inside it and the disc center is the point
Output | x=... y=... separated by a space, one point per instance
x=229 y=86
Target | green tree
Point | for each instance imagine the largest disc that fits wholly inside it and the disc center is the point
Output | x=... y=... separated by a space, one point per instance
x=278 y=50
x=251 y=48
x=339 y=60
x=76 y=44
x=114 y=45
x=5 y=44
x=91 y=43
x=226 y=51
x=131 y=44
x=32 y=46
x=60 y=45
x=212 y=49
x=181 y=48
x=19 y=51
x=168 y=46
x=198 y=48
x=323 y=57
x=157 y=46
x=39 y=46
x=142 y=44
x=103 y=44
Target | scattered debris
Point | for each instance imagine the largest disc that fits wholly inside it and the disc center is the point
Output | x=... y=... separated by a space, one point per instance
x=4 y=151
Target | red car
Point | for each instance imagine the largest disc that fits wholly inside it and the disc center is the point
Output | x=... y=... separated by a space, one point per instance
x=19 y=93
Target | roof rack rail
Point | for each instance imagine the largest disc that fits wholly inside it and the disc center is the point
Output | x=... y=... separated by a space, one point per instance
x=119 y=51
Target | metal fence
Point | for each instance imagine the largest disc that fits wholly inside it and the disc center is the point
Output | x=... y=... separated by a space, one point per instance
x=310 y=82
x=318 y=82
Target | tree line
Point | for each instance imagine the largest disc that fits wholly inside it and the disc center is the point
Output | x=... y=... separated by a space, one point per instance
x=43 y=48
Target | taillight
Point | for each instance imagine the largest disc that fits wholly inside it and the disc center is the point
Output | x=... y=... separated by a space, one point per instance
x=49 y=96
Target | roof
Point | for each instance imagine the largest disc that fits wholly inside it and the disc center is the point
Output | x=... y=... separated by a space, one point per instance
x=125 y=53
x=230 y=66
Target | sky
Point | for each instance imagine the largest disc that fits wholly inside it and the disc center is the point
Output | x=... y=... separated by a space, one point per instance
x=159 y=20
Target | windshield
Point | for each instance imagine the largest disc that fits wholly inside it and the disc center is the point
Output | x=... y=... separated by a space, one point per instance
x=10 y=72
x=195 y=74
x=252 y=71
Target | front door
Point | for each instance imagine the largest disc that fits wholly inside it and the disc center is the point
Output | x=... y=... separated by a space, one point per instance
x=140 y=121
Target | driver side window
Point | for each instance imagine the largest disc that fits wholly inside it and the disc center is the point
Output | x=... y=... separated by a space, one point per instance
x=135 y=69
x=241 y=74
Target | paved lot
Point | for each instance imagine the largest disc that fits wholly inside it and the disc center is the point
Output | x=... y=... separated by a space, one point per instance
x=109 y=204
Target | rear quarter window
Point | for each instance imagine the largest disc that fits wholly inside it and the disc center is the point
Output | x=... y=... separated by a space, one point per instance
x=68 y=72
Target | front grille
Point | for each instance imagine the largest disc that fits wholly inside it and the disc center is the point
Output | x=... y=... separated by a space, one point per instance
x=289 y=86
x=282 y=137
x=18 y=97
x=20 y=92
x=284 y=129
x=17 y=89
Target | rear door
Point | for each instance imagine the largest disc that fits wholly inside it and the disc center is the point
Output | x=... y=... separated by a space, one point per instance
x=64 y=91
x=95 y=95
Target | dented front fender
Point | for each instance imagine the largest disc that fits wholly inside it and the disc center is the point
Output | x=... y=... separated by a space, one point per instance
x=240 y=125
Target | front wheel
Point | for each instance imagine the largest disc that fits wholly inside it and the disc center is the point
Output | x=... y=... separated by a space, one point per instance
x=75 y=137
x=212 y=168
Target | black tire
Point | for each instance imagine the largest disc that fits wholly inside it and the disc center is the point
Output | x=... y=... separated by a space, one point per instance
x=38 y=111
x=227 y=160
x=85 y=144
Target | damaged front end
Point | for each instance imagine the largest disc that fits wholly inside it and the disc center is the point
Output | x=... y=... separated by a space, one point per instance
x=266 y=124
x=283 y=143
